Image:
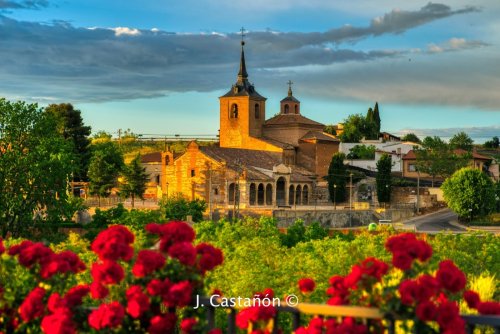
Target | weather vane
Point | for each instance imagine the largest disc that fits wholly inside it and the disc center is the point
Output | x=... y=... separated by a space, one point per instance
x=242 y=32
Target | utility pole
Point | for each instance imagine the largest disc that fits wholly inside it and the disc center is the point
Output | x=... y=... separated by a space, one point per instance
x=210 y=191
x=334 y=197
x=418 y=192
x=119 y=137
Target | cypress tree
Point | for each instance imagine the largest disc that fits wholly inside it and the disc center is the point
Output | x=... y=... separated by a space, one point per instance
x=383 y=178
x=337 y=176
x=376 y=118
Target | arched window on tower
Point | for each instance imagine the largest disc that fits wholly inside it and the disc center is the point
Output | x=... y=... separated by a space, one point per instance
x=287 y=108
x=234 y=110
x=257 y=111
x=296 y=109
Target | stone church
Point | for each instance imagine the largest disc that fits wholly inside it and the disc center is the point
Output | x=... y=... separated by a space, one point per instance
x=258 y=163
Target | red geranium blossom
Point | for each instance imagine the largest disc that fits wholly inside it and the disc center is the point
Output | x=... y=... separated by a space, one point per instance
x=306 y=285
x=114 y=244
x=472 y=298
x=187 y=325
x=98 y=290
x=172 y=232
x=426 y=311
x=489 y=308
x=209 y=257
x=161 y=324
x=58 y=323
x=147 y=262
x=33 y=305
x=107 y=316
x=107 y=272
x=450 y=277
x=158 y=287
x=179 y=294
x=137 y=301
x=184 y=252
x=2 y=247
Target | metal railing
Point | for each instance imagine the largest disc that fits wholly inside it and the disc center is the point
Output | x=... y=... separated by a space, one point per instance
x=367 y=315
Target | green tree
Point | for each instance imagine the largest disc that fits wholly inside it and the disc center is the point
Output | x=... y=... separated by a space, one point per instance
x=411 y=137
x=35 y=166
x=105 y=165
x=135 y=179
x=470 y=193
x=493 y=143
x=177 y=207
x=461 y=141
x=70 y=125
x=436 y=158
x=376 y=118
x=383 y=179
x=362 y=152
x=330 y=128
x=337 y=176
x=356 y=127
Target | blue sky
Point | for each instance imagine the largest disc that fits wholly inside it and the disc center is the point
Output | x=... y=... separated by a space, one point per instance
x=159 y=67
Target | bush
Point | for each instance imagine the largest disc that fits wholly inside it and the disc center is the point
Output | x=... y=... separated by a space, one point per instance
x=178 y=208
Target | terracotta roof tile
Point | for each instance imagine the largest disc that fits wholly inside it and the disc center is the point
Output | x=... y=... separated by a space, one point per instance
x=289 y=119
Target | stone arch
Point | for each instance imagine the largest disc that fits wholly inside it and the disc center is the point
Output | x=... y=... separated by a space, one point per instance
x=305 y=195
x=280 y=191
x=234 y=111
x=233 y=193
x=269 y=194
x=287 y=109
x=252 y=196
x=291 y=194
x=298 y=195
x=260 y=194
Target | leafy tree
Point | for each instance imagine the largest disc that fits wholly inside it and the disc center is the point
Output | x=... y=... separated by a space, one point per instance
x=462 y=141
x=315 y=231
x=411 y=137
x=70 y=125
x=469 y=192
x=330 y=129
x=135 y=179
x=436 y=158
x=105 y=165
x=356 y=127
x=35 y=165
x=177 y=207
x=493 y=143
x=337 y=176
x=295 y=233
x=101 y=137
x=362 y=152
x=383 y=178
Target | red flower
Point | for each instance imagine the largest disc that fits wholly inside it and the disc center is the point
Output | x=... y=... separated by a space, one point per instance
x=489 y=308
x=137 y=301
x=188 y=324
x=2 y=247
x=306 y=285
x=172 y=232
x=98 y=291
x=16 y=249
x=108 y=272
x=447 y=313
x=107 y=315
x=472 y=298
x=338 y=291
x=61 y=263
x=179 y=294
x=34 y=253
x=33 y=305
x=75 y=295
x=374 y=267
x=58 y=323
x=428 y=286
x=450 y=277
x=408 y=290
x=352 y=279
x=114 y=244
x=402 y=260
x=184 y=252
x=161 y=324
x=424 y=251
x=215 y=331
x=147 y=262
x=157 y=287
x=57 y=304
x=210 y=257
x=426 y=311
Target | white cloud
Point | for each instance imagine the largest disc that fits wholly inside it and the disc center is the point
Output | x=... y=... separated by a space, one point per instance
x=119 y=31
x=455 y=44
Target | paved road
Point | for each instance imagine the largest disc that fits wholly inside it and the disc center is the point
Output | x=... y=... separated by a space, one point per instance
x=443 y=220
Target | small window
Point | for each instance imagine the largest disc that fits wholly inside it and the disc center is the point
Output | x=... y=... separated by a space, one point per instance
x=216 y=191
x=157 y=179
x=412 y=168
x=234 y=111
x=193 y=173
x=296 y=109
x=287 y=108
x=257 y=111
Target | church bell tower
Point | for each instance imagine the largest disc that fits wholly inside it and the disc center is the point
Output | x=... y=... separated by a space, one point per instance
x=242 y=110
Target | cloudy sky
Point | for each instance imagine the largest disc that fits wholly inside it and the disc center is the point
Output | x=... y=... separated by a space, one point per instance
x=158 y=67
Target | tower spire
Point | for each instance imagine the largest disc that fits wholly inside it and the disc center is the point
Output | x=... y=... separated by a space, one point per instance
x=242 y=74
x=290 y=83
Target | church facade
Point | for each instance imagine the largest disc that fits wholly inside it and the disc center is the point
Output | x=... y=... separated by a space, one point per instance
x=271 y=163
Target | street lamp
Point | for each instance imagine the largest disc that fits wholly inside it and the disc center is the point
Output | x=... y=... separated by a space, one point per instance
x=334 y=197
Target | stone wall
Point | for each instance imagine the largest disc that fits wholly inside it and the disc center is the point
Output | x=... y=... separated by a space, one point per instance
x=408 y=195
x=327 y=219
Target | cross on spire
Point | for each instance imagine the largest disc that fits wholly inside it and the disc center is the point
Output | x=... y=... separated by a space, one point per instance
x=289 y=83
x=242 y=33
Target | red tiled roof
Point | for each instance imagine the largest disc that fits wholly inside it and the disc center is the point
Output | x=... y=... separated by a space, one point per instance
x=151 y=157
x=411 y=155
x=290 y=119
